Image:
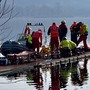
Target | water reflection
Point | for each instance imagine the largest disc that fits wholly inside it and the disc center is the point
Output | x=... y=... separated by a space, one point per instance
x=61 y=76
x=80 y=74
x=55 y=78
x=37 y=78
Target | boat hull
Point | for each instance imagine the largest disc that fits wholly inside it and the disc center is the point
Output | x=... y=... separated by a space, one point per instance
x=12 y=47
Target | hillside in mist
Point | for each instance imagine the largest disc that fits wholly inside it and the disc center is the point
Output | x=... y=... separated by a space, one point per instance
x=52 y=8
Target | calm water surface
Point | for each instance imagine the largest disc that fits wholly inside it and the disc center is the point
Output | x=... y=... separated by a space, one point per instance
x=71 y=77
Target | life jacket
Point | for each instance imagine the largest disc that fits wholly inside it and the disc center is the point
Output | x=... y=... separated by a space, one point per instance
x=45 y=50
x=65 y=43
x=30 y=39
x=54 y=31
x=84 y=30
x=72 y=45
x=40 y=34
x=73 y=26
x=36 y=35
x=27 y=31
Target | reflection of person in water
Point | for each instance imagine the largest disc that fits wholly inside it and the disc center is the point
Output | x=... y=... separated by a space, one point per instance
x=37 y=77
x=81 y=74
x=64 y=72
x=55 y=77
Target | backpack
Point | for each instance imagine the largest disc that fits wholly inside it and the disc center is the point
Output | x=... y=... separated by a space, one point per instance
x=86 y=30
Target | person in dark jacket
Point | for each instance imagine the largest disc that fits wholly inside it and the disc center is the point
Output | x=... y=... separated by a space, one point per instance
x=74 y=33
x=62 y=30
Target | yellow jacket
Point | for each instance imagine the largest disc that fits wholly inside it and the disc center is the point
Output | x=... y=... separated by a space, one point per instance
x=83 y=29
x=68 y=44
x=30 y=39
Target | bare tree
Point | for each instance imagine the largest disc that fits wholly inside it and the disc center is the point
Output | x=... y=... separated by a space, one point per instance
x=6 y=11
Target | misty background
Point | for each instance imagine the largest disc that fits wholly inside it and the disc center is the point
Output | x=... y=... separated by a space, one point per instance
x=52 y=8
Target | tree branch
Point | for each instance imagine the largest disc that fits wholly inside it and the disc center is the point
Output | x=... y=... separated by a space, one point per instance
x=5 y=11
x=6 y=36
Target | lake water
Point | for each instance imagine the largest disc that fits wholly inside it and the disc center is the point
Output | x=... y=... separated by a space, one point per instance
x=71 y=77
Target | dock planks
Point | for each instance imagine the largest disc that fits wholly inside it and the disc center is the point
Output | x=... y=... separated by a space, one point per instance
x=9 y=69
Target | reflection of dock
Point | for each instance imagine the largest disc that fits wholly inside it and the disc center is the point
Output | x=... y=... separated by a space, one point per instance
x=66 y=60
x=4 y=70
x=9 y=69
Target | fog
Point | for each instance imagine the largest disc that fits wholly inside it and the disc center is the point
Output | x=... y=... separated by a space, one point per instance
x=52 y=8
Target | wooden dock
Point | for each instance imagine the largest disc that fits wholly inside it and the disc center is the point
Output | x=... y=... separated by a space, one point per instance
x=9 y=69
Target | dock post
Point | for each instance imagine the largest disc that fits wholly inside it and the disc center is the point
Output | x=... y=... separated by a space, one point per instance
x=85 y=57
x=77 y=59
x=69 y=63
